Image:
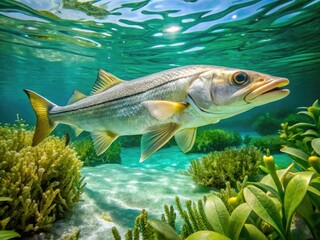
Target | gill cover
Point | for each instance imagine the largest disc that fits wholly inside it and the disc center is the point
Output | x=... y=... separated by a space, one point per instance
x=199 y=91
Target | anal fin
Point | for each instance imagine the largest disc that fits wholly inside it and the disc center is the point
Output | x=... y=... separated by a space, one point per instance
x=155 y=138
x=102 y=141
x=77 y=130
x=164 y=109
x=185 y=138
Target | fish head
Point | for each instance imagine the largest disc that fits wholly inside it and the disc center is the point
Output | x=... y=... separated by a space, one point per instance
x=231 y=91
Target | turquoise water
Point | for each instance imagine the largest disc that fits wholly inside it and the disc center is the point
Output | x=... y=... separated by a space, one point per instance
x=53 y=47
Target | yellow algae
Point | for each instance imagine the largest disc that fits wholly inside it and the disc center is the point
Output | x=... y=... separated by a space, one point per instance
x=44 y=182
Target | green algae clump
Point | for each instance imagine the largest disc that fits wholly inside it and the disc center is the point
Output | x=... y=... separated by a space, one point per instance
x=215 y=140
x=44 y=182
x=230 y=165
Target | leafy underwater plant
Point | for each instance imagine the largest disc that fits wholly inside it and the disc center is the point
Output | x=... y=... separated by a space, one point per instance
x=216 y=140
x=44 y=182
x=230 y=165
x=267 y=211
x=303 y=138
x=88 y=156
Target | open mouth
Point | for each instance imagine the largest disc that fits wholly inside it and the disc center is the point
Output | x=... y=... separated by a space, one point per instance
x=269 y=92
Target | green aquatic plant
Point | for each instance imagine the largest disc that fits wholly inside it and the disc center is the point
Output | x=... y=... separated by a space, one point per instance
x=230 y=165
x=44 y=182
x=303 y=138
x=130 y=141
x=232 y=196
x=216 y=140
x=269 y=207
x=85 y=149
x=191 y=213
x=266 y=124
x=7 y=234
x=263 y=210
x=272 y=142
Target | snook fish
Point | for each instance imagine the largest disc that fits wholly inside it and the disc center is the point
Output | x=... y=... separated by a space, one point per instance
x=165 y=104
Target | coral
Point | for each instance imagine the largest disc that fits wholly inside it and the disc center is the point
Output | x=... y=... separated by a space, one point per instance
x=271 y=142
x=231 y=165
x=44 y=182
x=266 y=124
x=215 y=140
x=84 y=148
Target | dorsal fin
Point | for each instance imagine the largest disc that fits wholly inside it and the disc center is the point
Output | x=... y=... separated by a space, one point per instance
x=76 y=96
x=104 y=81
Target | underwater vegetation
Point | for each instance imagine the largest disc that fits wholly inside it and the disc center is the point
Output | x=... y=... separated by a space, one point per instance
x=130 y=141
x=266 y=124
x=7 y=234
x=270 y=209
x=230 y=165
x=303 y=138
x=44 y=182
x=271 y=142
x=85 y=150
x=135 y=141
x=269 y=123
x=215 y=140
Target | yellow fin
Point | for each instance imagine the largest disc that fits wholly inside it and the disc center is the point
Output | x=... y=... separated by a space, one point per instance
x=104 y=81
x=77 y=130
x=155 y=138
x=164 y=109
x=76 y=96
x=185 y=138
x=102 y=140
x=41 y=107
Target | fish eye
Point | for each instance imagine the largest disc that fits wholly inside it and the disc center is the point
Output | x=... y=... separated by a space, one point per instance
x=240 y=78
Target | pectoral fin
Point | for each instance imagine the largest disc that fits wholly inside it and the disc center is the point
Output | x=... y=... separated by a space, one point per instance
x=164 y=109
x=102 y=140
x=155 y=138
x=185 y=138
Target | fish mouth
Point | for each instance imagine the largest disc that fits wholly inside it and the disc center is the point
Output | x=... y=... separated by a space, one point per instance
x=269 y=92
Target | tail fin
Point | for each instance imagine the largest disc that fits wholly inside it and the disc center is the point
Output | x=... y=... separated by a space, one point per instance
x=41 y=107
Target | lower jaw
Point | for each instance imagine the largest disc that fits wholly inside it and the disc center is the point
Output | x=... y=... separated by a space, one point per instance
x=269 y=97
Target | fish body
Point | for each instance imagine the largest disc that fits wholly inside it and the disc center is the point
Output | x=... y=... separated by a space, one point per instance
x=165 y=104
